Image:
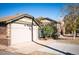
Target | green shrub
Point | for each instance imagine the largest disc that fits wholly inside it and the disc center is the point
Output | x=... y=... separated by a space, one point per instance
x=49 y=31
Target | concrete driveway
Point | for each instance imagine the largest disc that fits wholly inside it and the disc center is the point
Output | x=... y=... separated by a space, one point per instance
x=31 y=48
x=49 y=47
x=7 y=53
x=68 y=48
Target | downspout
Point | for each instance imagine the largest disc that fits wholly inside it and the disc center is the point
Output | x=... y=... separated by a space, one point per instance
x=32 y=28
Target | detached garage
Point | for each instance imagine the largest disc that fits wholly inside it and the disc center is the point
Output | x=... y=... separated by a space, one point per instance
x=17 y=29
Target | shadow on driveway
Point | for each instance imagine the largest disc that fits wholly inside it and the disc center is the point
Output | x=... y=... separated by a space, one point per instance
x=66 y=53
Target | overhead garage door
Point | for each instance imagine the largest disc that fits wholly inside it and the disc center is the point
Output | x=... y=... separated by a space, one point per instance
x=20 y=33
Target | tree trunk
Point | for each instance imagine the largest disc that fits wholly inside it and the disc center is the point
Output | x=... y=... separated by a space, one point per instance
x=74 y=36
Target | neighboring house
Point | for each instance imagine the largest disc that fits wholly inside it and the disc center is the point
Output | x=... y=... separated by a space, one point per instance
x=46 y=21
x=43 y=22
x=17 y=29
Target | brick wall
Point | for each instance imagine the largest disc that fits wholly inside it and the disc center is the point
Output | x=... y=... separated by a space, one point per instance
x=3 y=35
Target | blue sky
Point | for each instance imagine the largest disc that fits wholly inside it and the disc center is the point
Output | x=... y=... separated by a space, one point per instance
x=51 y=10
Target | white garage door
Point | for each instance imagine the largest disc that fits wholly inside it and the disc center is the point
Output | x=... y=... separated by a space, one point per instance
x=20 y=33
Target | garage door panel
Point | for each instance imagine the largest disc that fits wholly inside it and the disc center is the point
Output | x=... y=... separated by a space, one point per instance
x=20 y=33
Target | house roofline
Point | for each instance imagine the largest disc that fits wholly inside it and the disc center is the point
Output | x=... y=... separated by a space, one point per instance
x=19 y=17
x=51 y=20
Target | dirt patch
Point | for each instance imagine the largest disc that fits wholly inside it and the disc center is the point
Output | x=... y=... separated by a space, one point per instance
x=69 y=41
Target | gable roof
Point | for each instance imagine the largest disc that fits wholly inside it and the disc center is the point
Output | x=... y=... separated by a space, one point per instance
x=10 y=19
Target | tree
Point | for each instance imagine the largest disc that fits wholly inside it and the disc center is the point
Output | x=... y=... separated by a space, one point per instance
x=49 y=30
x=39 y=20
x=72 y=18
